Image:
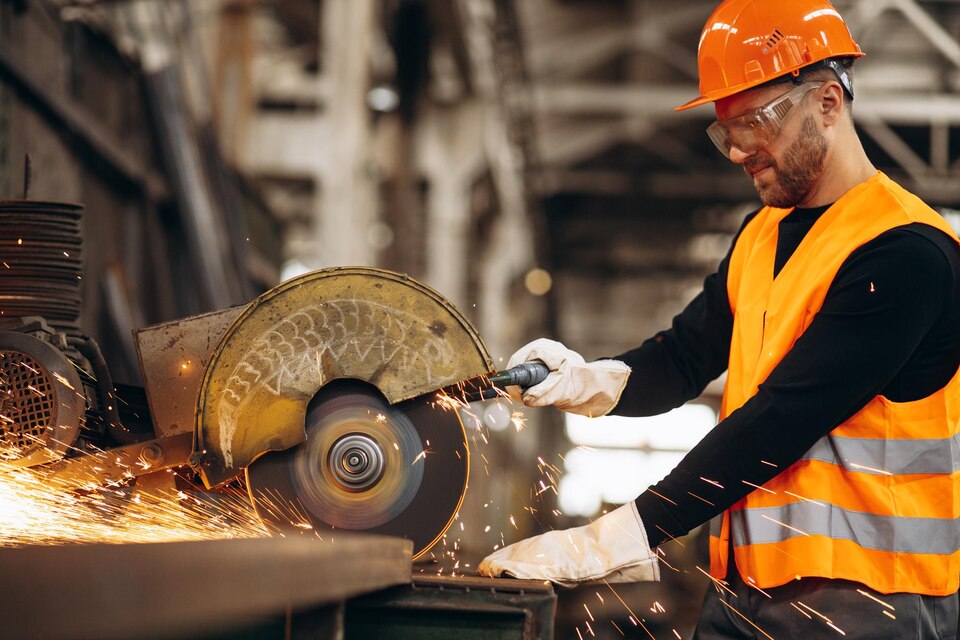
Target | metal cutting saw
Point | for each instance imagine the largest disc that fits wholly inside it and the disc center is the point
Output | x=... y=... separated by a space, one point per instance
x=326 y=393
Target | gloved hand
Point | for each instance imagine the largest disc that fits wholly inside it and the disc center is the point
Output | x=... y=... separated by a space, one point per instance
x=613 y=547
x=589 y=389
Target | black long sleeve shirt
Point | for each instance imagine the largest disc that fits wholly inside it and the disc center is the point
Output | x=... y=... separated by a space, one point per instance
x=889 y=325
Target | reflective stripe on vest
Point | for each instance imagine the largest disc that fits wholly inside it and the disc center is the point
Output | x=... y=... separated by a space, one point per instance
x=887 y=533
x=877 y=500
x=892 y=457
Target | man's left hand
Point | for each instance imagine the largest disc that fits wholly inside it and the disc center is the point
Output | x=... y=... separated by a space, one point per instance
x=613 y=548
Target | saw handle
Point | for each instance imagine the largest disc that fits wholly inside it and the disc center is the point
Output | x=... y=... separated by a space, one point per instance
x=524 y=375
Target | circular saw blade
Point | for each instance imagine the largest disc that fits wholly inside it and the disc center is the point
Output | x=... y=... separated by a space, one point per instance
x=367 y=465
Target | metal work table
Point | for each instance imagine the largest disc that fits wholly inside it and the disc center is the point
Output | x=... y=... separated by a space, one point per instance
x=275 y=587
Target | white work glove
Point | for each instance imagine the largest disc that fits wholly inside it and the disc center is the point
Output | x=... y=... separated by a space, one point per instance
x=587 y=388
x=613 y=548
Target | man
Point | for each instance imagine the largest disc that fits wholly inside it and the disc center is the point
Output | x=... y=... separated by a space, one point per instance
x=835 y=468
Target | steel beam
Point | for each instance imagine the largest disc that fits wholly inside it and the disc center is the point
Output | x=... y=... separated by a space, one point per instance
x=650 y=100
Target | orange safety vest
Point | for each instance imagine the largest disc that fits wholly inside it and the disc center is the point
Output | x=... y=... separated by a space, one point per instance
x=877 y=500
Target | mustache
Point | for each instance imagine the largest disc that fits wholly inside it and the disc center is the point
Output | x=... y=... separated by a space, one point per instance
x=755 y=164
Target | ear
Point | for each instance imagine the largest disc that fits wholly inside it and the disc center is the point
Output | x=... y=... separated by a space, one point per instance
x=831 y=103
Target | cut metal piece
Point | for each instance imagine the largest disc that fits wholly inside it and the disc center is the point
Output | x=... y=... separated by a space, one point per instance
x=362 y=323
x=391 y=469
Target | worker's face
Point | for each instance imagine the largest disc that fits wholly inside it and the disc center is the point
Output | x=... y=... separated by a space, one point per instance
x=785 y=170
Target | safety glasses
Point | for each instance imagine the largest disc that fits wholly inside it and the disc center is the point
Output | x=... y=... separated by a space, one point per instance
x=757 y=128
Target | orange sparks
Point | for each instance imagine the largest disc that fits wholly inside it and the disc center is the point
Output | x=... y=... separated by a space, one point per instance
x=634 y=618
x=717 y=583
x=799 y=497
x=63 y=381
x=825 y=618
x=753 y=583
x=34 y=510
x=746 y=619
x=699 y=498
x=26 y=366
x=784 y=524
x=421 y=456
x=663 y=497
x=877 y=600
x=865 y=468
x=756 y=486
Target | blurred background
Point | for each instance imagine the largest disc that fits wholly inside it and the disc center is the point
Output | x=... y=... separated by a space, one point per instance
x=522 y=157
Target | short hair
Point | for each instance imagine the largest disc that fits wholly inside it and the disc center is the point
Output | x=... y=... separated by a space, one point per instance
x=839 y=69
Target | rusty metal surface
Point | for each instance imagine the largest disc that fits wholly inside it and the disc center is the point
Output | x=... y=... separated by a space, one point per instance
x=363 y=323
x=119 y=464
x=173 y=356
x=153 y=591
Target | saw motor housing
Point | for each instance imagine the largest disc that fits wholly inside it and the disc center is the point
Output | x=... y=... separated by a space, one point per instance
x=57 y=398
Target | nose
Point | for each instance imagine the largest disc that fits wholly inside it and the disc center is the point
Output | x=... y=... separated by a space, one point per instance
x=737 y=155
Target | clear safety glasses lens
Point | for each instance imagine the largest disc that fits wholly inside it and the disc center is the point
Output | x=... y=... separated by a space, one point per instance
x=758 y=128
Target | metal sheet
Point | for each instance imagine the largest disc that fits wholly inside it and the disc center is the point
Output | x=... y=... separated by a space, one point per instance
x=466 y=608
x=173 y=356
x=372 y=325
x=152 y=590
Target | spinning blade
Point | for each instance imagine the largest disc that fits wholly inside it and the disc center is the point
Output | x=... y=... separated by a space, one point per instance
x=367 y=465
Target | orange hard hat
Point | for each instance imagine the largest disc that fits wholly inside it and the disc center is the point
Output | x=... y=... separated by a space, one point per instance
x=748 y=42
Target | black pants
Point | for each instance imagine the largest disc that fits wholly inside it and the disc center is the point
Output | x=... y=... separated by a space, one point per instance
x=814 y=608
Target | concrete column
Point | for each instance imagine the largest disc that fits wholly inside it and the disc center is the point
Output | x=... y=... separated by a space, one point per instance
x=451 y=151
x=347 y=193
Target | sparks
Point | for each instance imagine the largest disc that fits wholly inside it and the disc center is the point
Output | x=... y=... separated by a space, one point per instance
x=877 y=600
x=63 y=381
x=34 y=510
x=783 y=524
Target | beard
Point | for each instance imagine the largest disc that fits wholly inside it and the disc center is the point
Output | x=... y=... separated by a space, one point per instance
x=794 y=177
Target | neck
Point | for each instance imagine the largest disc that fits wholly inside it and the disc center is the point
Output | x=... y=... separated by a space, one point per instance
x=845 y=166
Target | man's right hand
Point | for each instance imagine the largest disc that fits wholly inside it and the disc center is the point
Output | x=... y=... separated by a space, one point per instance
x=574 y=385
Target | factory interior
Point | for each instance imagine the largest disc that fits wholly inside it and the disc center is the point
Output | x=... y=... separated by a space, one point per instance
x=227 y=226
